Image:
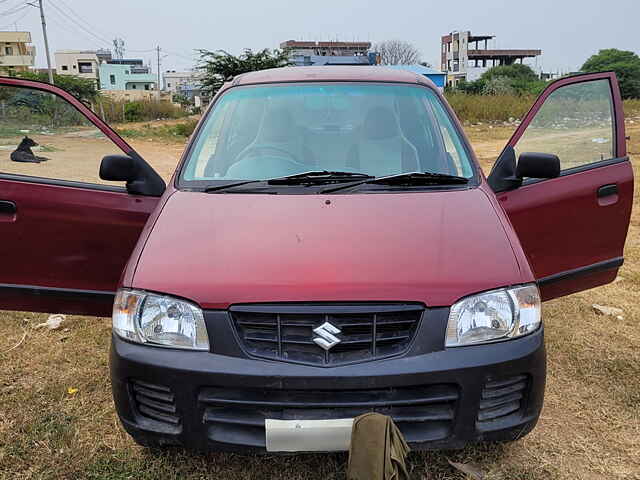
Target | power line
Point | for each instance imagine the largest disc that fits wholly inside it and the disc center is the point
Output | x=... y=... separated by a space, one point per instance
x=14 y=9
x=65 y=26
x=73 y=12
x=80 y=25
x=179 y=55
x=140 y=51
x=81 y=19
x=16 y=20
x=60 y=14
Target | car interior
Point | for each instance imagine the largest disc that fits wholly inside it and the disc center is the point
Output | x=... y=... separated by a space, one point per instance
x=271 y=136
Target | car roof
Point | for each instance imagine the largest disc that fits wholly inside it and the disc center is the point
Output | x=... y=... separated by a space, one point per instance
x=331 y=73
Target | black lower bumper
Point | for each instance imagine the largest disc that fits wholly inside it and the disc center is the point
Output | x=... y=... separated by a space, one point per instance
x=442 y=399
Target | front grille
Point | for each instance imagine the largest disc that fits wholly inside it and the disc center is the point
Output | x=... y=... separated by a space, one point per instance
x=501 y=399
x=285 y=332
x=155 y=403
x=237 y=416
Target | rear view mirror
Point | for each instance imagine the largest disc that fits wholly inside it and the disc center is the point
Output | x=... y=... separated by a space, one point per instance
x=538 y=165
x=140 y=177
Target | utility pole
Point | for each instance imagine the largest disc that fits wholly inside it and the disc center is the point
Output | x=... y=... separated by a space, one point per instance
x=46 y=42
x=158 y=87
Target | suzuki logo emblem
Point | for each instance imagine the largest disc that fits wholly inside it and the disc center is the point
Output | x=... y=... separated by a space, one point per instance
x=326 y=336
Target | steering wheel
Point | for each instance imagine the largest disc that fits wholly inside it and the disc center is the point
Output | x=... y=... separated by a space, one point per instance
x=261 y=147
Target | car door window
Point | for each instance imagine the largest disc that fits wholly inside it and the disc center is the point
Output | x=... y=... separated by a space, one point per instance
x=44 y=136
x=575 y=123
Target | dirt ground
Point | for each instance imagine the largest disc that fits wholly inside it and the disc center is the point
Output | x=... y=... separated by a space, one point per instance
x=80 y=152
x=57 y=418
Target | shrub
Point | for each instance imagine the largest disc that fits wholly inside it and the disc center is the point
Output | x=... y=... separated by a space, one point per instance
x=178 y=131
x=505 y=80
x=498 y=86
x=184 y=129
x=133 y=112
x=144 y=110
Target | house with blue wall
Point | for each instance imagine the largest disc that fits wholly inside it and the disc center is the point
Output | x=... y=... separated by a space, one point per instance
x=126 y=77
x=437 y=77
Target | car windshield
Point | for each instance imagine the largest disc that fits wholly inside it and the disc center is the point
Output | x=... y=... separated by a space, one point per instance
x=270 y=131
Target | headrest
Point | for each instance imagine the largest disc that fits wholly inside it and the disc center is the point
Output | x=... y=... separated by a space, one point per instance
x=380 y=123
x=278 y=125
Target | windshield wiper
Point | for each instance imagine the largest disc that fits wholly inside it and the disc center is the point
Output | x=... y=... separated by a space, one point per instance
x=410 y=178
x=215 y=188
x=318 y=176
x=313 y=176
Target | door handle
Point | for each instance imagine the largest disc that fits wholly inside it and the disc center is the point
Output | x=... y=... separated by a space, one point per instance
x=7 y=207
x=606 y=190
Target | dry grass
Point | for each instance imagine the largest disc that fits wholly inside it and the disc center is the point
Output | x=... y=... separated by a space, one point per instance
x=590 y=426
x=488 y=108
x=501 y=108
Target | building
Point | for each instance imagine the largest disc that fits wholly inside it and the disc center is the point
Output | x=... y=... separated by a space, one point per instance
x=16 y=55
x=439 y=78
x=81 y=63
x=119 y=76
x=136 y=64
x=303 y=53
x=465 y=56
x=174 y=81
x=347 y=49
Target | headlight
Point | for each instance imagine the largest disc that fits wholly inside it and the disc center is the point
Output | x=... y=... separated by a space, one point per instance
x=495 y=315
x=159 y=320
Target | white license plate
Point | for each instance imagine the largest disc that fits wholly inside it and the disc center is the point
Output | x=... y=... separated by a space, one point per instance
x=308 y=435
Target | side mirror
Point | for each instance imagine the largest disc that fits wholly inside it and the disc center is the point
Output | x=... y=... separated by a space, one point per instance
x=506 y=175
x=118 y=168
x=538 y=165
x=140 y=177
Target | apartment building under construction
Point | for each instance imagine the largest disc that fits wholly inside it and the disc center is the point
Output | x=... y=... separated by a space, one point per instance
x=467 y=56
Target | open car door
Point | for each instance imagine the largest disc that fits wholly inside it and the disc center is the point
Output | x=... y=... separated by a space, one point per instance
x=572 y=227
x=66 y=233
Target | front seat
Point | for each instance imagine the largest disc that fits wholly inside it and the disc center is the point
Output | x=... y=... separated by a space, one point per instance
x=288 y=155
x=279 y=130
x=382 y=149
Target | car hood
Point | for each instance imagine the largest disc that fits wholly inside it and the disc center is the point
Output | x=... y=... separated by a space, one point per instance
x=432 y=247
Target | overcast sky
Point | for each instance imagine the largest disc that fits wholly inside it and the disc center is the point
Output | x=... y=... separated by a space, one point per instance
x=567 y=31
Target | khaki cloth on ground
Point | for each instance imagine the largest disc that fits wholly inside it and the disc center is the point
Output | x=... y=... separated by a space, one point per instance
x=378 y=449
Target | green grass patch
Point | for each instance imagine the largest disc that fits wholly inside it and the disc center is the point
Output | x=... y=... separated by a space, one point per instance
x=180 y=131
x=49 y=148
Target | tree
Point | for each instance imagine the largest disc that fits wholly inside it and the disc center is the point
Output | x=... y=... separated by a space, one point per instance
x=82 y=88
x=516 y=72
x=218 y=66
x=626 y=65
x=397 y=52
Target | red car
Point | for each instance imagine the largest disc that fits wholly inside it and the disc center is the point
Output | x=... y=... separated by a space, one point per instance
x=327 y=246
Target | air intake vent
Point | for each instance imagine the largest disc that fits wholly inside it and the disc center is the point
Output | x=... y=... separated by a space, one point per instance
x=236 y=415
x=155 y=402
x=502 y=398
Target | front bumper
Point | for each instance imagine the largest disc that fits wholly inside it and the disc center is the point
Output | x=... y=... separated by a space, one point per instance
x=439 y=399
